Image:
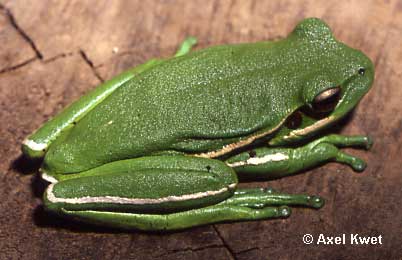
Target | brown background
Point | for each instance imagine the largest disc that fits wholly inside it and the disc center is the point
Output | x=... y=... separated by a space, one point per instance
x=51 y=52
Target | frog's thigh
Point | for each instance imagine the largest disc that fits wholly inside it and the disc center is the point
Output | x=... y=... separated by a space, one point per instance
x=272 y=162
x=154 y=184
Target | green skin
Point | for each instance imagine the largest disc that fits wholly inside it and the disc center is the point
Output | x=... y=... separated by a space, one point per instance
x=161 y=146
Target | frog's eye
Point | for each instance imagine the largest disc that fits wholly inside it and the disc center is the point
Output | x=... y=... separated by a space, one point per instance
x=327 y=100
x=361 y=71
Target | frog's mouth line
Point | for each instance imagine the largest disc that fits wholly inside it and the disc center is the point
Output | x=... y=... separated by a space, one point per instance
x=311 y=128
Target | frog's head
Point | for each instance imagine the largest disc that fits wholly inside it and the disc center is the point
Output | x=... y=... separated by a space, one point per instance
x=337 y=78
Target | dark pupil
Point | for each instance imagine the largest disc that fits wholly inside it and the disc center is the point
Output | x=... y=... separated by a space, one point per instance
x=362 y=71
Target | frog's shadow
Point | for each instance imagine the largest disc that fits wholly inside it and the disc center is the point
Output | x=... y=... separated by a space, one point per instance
x=24 y=165
x=45 y=219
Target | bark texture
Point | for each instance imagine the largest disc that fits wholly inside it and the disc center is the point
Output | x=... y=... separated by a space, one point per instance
x=51 y=52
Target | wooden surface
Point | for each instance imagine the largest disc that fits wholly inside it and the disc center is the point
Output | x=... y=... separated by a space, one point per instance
x=51 y=52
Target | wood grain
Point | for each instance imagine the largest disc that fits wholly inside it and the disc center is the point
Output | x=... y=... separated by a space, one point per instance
x=51 y=52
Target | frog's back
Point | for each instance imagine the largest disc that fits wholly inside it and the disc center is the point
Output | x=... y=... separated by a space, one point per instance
x=221 y=93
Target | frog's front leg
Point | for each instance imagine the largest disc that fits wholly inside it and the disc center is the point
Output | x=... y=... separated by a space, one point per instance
x=273 y=162
x=165 y=192
x=186 y=46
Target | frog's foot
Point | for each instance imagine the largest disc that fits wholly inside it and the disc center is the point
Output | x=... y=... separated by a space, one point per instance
x=267 y=197
x=333 y=153
x=271 y=163
x=245 y=204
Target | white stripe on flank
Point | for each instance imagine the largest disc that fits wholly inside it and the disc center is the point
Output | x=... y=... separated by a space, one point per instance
x=119 y=200
x=230 y=147
x=34 y=145
x=276 y=157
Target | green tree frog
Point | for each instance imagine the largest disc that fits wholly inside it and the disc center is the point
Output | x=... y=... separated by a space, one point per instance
x=163 y=145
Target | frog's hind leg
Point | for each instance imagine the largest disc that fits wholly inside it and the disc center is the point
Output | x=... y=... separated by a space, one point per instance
x=272 y=162
x=165 y=193
x=246 y=204
x=263 y=197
